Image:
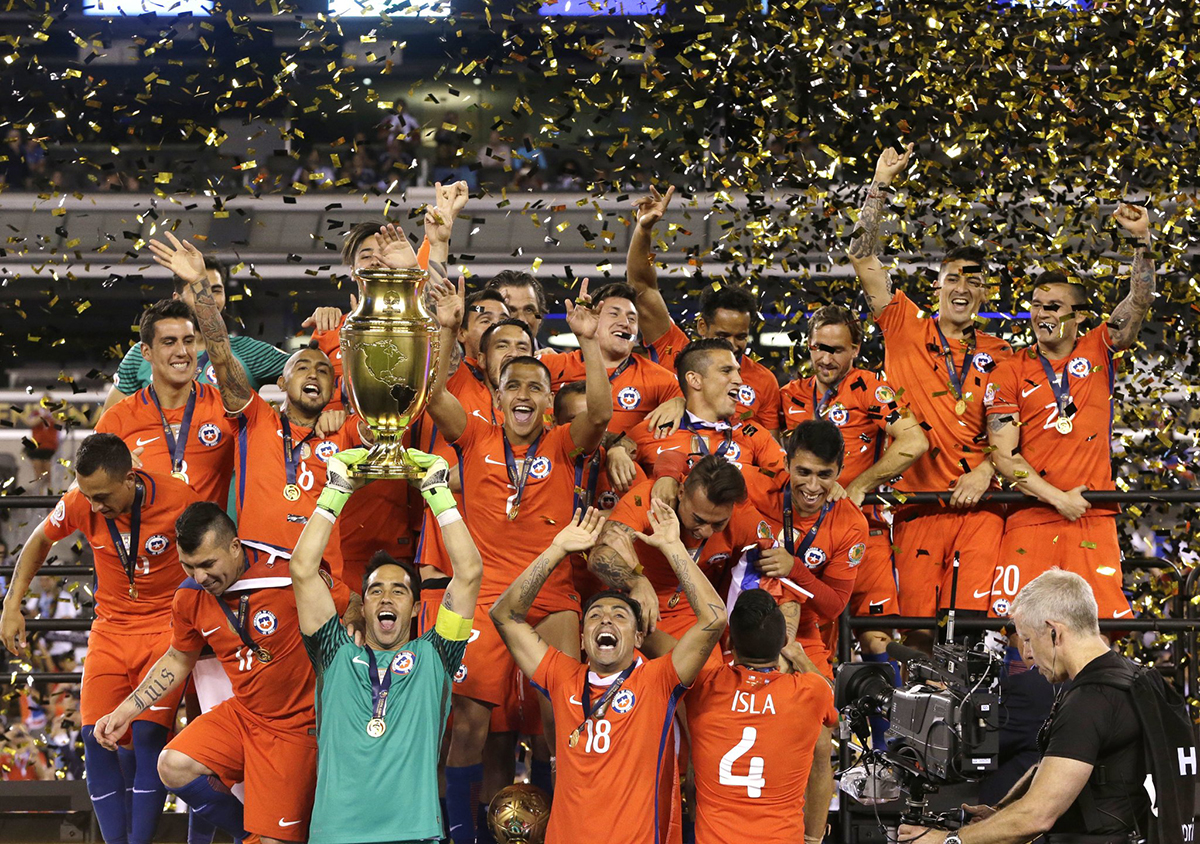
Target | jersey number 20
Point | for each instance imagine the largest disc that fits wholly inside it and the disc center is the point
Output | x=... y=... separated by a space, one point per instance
x=753 y=781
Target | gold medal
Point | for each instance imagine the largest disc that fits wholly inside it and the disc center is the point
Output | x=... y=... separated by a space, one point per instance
x=1063 y=425
x=574 y=739
x=180 y=476
x=512 y=514
x=960 y=407
x=263 y=655
x=376 y=727
x=674 y=600
x=133 y=593
x=291 y=492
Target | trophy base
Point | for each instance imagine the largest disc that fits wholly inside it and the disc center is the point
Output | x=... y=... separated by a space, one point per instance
x=387 y=461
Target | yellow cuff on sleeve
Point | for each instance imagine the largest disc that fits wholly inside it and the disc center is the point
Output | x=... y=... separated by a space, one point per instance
x=451 y=626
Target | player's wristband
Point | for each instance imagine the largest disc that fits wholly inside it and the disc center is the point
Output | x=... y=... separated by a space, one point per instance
x=333 y=500
x=448 y=517
x=671 y=464
x=452 y=626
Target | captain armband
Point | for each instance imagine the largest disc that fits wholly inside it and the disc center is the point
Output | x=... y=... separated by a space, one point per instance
x=451 y=626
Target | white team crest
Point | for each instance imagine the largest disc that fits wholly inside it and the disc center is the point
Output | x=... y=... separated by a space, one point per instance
x=606 y=500
x=209 y=434
x=403 y=663
x=265 y=622
x=717 y=559
x=1000 y=607
x=838 y=414
x=461 y=673
x=982 y=361
x=541 y=468
x=746 y=394
x=156 y=544
x=210 y=373
x=325 y=450
x=733 y=452
x=624 y=701
x=60 y=513
x=629 y=398
x=1079 y=367
x=814 y=558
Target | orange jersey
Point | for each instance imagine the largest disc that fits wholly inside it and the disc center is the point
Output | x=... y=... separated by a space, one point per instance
x=507 y=544
x=755 y=452
x=714 y=555
x=157 y=571
x=43 y=429
x=1082 y=456
x=278 y=694
x=753 y=734
x=264 y=514
x=617 y=777
x=759 y=393
x=916 y=369
x=208 y=443
x=862 y=407
x=826 y=567
x=638 y=385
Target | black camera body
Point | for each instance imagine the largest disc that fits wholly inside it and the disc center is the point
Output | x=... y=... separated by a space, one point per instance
x=951 y=736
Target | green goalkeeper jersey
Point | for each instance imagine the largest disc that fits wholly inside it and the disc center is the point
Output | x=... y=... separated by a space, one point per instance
x=381 y=788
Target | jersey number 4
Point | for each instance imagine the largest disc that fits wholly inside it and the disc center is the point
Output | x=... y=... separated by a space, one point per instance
x=753 y=782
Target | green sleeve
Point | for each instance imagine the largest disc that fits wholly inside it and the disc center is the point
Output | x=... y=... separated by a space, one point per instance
x=450 y=652
x=263 y=362
x=129 y=378
x=323 y=645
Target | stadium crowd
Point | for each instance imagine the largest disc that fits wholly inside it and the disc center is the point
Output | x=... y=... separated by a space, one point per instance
x=633 y=555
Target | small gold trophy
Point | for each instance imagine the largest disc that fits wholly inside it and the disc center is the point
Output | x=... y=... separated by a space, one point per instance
x=389 y=348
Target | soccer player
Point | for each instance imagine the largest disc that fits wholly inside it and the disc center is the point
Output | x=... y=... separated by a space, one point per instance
x=237 y=600
x=753 y=730
x=1049 y=423
x=518 y=482
x=614 y=712
x=638 y=385
x=128 y=517
x=711 y=379
x=940 y=365
x=382 y=706
x=716 y=524
x=725 y=314
x=261 y=362
x=524 y=295
x=178 y=425
x=883 y=438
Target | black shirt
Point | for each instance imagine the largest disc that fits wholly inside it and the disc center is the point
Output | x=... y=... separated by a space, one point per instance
x=1097 y=724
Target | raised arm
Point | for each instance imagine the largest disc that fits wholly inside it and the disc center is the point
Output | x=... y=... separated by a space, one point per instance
x=1126 y=319
x=1004 y=437
x=697 y=642
x=588 y=428
x=509 y=613
x=467 y=563
x=653 y=317
x=172 y=668
x=865 y=246
x=12 y=620
x=445 y=410
x=449 y=201
x=908 y=444
x=615 y=562
x=185 y=260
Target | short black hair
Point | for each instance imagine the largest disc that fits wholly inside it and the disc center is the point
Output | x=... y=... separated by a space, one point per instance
x=818 y=437
x=757 y=630
x=527 y=360
x=160 y=310
x=197 y=520
x=575 y=388
x=210 y=263
x=694 y=358
x=383 y=558
x=103 y=451
x=1059 y=277
x=614 y=290
x=970 y=254
x=620 y=596
x=729 y=298
x=519 y=278
x=721 y=481
x=355 y=237
x=486 y=339
x=478 y=296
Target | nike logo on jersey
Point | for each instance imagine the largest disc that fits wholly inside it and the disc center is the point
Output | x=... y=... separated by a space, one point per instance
x=1024 y=393
x=359 y=661
x=141 y=442
x=207 y=633
x=487 y=458
x=1121 y=613
x=669 y=448
x=485 y=419
x=986 y=593
x=880 y=603
x=282 y=822
x=575 y=700
x=792 y=411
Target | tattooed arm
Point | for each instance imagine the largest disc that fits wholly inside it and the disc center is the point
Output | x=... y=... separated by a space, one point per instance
x=865 y=246
x=1126 y=319
x=1004 y=437
x=615 y=561
x=171 y=669
x=509 y=613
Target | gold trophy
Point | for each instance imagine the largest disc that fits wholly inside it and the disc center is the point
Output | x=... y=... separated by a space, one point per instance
x=389 y=349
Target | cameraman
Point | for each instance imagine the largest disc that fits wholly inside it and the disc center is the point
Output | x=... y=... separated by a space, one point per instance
x=1092 y=738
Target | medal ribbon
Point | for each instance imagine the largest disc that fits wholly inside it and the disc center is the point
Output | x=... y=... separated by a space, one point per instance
x=605 y=699
x=1062 y=396
x=625 y=364
x=291 y=455
x=956 y=379
x=510 y=463
x=702 y=441
x=809 y=537
x=820 y=406
x=128 y=557
x=201 y=364
x=379 y=687
x=177 y=447
x=238 y=622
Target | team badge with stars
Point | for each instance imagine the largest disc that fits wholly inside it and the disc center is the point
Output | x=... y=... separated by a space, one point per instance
x=733 y=452
x=857 y=551
x=265 y=622
x=60 y=513
x=624 y=701
x=763 y=530
x=746 y=394
x=461 y=673
x=814 y=558
x=1079 y=367
x=838 y=415
x=210 y=372
x=885 y=394
x=982 y=361
x=606 y=500
x=1000 y=607
x=209 y=434
x=541 y=468
x=157 y=544
x=629 y=398
x=403 y=663
x=325 y=450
